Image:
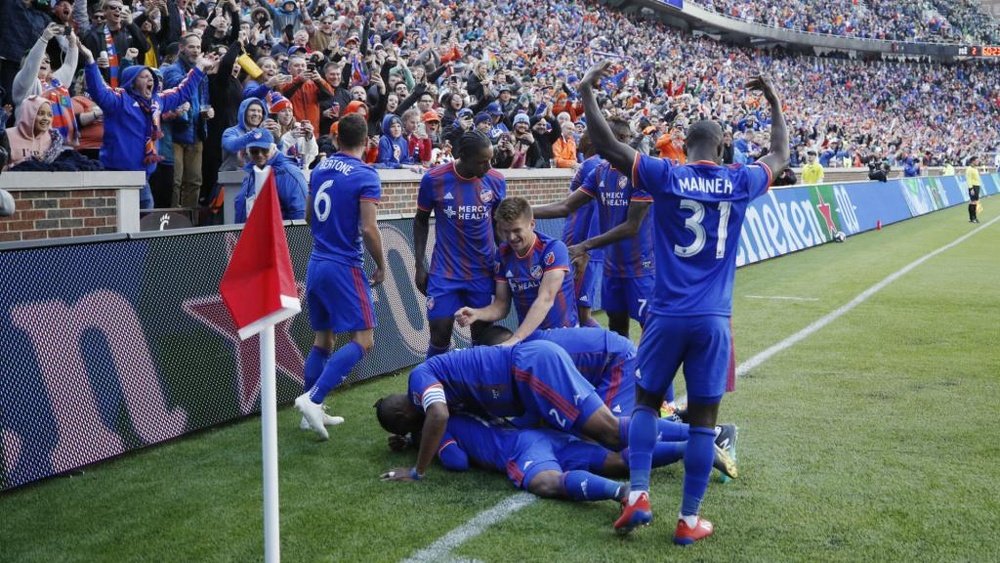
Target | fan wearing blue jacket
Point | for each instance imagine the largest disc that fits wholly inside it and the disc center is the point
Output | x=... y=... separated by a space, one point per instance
x=393 y=150
x=234 y=139
x=288 y=179
x=132 y=113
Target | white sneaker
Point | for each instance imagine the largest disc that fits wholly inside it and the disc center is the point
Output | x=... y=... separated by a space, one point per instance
x=313 y=414
x=327 y=420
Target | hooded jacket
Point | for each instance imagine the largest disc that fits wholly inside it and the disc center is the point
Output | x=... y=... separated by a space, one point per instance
x=126 y=125
x=288 y=180
x=24 y=144
x=387 y=146
x=235 y=139
x=189 y=127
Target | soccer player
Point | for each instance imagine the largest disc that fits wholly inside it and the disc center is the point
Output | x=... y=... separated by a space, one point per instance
x=544 y=462
x=699 y=211
x=625 y=235
x=463 y=196
x=534 y=269
x=975 y=184
x=579 y=226
x=344 y=194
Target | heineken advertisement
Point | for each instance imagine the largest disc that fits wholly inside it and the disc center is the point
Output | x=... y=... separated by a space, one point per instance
x=108 y=347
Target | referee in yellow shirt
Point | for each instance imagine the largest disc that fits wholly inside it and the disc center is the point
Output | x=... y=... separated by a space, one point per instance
x=975 y=185
x=812 y=172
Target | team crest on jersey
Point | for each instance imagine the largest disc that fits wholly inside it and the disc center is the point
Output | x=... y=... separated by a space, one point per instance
x=622 y=182
x=647 y=264
x=550 y=258
x=536 y=272
x=486 y=196
x=430 y=303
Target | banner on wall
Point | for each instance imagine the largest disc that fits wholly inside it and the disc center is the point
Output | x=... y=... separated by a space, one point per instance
x=109 y=347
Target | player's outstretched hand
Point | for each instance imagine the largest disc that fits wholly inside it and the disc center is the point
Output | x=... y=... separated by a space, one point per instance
x=579 y=257
x=465 y=316
x=397 y=474
x=764 y=85
x=596 y=73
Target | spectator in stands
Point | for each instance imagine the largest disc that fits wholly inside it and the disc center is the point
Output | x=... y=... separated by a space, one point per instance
x=22 y=24
x=564 y=149
x=33 y=137
x=414 y=131
x=235 y=139
x=289 y=181
x=190 y=128
x=132 y=114
x=36 y=78
x=911 y=167
x=393 y=149
x=306 y=90
x=112 y=41
x=90 y=118
x=812 y=172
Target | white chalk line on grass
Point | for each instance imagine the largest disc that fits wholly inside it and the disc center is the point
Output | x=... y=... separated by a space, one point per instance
x=441 y=549
x=782 y=298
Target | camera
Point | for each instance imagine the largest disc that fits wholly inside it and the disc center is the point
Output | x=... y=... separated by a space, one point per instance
x=67 y=30
x=311 y=66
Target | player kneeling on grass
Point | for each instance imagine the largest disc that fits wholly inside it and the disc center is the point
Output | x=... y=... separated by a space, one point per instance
x=344 y=194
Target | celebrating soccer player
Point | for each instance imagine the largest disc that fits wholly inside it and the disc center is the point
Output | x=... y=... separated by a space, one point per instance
x=698 y=212
x=463 y=196
x=344 y=194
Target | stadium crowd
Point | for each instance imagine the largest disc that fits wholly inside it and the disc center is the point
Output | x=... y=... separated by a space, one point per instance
x=951 y=21
x=423 y=73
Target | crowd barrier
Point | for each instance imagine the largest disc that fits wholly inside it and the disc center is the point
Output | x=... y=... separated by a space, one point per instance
x=112 y=344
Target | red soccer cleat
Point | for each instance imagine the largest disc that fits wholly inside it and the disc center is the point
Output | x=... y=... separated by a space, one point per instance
x=685 y=535
x=634 y=515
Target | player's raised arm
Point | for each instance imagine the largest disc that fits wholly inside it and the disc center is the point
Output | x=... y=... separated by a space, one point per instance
x=620 y=155
x=777 y=157
x=575 y=200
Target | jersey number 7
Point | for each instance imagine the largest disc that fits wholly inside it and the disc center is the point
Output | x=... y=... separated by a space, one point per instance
x=693 y=224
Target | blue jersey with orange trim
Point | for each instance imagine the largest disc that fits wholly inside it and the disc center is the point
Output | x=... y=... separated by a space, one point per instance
x=478 y=380
x=595 y=351
x=583 y=223
x=523 y=275
x=488 y=444
x=699 y=214
x=463 y=208
x=337 y=187
x=632 y=257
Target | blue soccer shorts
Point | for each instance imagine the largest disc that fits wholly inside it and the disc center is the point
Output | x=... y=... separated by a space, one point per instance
x=339 y=297
x=586 y=285
x=534 y=452
x=445 y=297
x=550 y=386
x=617 y=386
x=703 y=344
x=630 y=295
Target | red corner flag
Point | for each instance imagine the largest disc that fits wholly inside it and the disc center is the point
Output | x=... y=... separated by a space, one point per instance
x=259 y=286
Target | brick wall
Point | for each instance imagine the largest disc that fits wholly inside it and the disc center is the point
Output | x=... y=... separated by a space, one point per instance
x=400 y=196
x=62 y=213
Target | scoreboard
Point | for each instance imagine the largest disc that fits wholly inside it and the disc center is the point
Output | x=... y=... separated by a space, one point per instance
x=991 y=51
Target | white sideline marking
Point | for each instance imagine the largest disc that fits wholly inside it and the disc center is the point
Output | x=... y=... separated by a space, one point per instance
x=441 y=549
x=782 y=298
x=787 y=343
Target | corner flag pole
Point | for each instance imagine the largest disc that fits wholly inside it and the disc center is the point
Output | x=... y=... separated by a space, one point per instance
x=269 y=439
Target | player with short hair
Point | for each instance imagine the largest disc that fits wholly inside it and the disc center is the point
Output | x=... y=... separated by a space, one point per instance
x=698 y=213
x=344 y=194
x=531 y=267
x=463 y=196
x=579 y=226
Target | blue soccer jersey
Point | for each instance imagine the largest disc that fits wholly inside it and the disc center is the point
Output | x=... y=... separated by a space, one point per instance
x=606 y=359
x=523 y=274
x=699 y=213
x=478 y=380
x=583 y=223
x=486 y=443
x=337 y=187
x=463 y=208
x=632 y=257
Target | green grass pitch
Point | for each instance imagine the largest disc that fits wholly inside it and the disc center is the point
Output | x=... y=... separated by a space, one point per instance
x=874 y=439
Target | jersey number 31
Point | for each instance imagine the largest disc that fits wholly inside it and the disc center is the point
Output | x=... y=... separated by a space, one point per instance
x=693 y=224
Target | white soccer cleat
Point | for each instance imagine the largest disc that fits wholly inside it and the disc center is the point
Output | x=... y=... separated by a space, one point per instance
x=327 y=420
x=313 y=415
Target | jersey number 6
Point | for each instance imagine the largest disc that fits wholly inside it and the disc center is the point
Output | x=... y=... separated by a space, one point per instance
x=323 y=206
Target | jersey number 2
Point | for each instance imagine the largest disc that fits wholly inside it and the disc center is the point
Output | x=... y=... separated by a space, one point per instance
x=323 y=206
x=693 y=224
